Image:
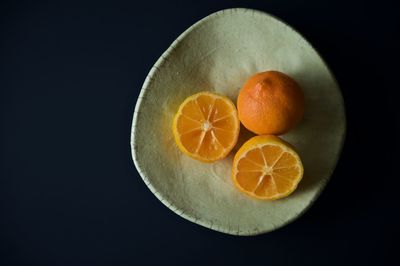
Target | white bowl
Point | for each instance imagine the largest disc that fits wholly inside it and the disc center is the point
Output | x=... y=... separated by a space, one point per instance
x=219 y=53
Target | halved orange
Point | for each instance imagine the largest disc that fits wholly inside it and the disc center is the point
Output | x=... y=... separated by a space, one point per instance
x=206 y=126
x=267 y=167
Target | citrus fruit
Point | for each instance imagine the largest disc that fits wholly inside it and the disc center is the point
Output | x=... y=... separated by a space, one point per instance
x=267 y=167
x=270 y=103
x=206 y=126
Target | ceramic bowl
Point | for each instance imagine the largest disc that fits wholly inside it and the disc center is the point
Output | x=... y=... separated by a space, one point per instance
x=219 y=53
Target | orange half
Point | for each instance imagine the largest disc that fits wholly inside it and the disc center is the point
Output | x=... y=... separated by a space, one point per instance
x=267 y=167
x=206 y=126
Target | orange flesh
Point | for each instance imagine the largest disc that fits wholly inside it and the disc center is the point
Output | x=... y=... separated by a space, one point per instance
x=206 y=127
x=267 y=172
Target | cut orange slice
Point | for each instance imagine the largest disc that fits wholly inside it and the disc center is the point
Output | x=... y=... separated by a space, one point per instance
x=267 y=167
x=206 y=126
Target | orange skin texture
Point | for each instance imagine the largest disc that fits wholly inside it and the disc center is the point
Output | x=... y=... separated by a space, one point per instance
x=270 y=102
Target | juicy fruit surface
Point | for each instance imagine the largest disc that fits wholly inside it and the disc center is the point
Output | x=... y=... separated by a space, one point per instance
x=266 y=167
x=270 y=103
x=206 y=126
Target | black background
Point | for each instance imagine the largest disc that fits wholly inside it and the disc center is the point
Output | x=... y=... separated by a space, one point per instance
x=70 y=74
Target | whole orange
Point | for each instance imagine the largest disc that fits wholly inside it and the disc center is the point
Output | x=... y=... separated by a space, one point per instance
x=270 y=102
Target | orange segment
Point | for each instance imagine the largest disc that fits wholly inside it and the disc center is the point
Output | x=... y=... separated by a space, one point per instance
x=192 y=110
x=206 y=126
x=249 y=180
x=187 y=124
x=266 y=167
